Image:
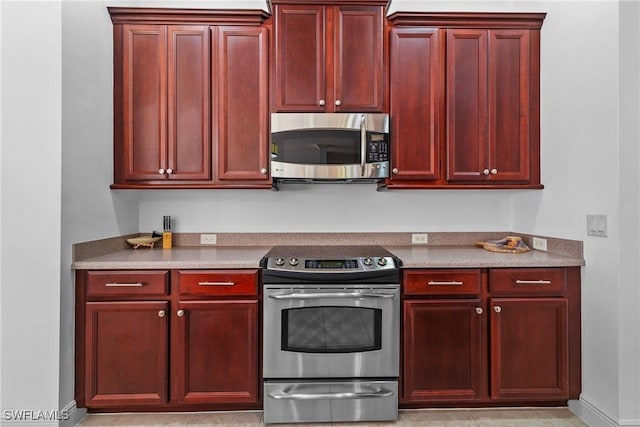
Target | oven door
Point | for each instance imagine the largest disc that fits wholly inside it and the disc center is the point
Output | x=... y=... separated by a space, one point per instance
x=324 y=331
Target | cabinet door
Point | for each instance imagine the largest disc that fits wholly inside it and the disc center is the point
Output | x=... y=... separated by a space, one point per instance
x=443 y=350
x=358 y=61
x=240 y=79
x=488 y=105
x=300 y=58
x=126 y=353
x=467 y=105
x=529 y=348
x=417 y=61
x=509 y=98
x=189 y=143
x=142 y=149
x=216 y=351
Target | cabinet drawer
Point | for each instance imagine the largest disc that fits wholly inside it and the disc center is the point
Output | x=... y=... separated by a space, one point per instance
x=127 y=283
x=218 y=282
x=528 y=281
x=442 y=282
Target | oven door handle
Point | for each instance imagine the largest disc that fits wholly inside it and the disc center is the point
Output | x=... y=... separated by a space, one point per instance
x=379 y=392
x=318 y=295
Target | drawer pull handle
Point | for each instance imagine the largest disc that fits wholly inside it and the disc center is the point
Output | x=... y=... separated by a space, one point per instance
x=533 y=282
x=124 y=285
x=180 y=313
x=451 y=282
x=216 y=283
x=161 y=313
x=479 y=310
x=497 y=309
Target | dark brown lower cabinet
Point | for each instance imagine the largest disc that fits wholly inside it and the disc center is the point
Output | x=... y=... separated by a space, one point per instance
x=486 y=337
x=126 y=352
x=167 y=340
x=216 y=350
x=529 y=348
x=443 y=350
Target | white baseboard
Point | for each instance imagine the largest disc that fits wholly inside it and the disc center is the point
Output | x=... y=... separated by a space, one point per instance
x=595 y=417
x=74 y=415
x=69 y=416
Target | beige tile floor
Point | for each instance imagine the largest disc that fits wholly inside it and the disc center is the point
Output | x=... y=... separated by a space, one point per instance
x=521 y=417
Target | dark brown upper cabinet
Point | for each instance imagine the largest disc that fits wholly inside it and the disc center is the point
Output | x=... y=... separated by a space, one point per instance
x=488 y=105
x=190 y=98
x=164 y=72
x=465 y=100
x=241 y=105
x=329 y=57
x=417 y=103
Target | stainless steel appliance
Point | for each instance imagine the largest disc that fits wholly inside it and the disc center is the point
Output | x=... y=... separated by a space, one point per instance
x=330 y=334
x=329 y=147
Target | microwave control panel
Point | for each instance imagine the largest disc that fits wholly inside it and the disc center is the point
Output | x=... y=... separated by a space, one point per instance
x=377 y=147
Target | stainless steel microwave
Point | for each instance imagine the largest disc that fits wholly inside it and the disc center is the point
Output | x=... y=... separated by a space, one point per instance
x=316 y=147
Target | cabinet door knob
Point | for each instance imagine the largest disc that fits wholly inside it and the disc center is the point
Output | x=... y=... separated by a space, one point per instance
x=338 y=102
x=494 y=171
x=161 y=313
x=263 y=171
x=485 y=172
x=321 y=102
x=180 y=313
x=169 y=171
x=395 y=170
x=497 y=309
x=161 y=171
x=479 y=310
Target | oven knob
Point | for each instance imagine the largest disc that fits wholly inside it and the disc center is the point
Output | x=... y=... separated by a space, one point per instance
x=382 y=261
x=279 y=262
x=293 y=261
x=367 y=261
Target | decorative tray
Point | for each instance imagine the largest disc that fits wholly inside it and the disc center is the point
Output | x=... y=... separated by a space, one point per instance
x=510 y=244
x=144 y=241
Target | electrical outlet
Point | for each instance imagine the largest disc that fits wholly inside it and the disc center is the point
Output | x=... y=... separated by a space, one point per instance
x=539 y=244
x=419 y=239
x=597 y=225
x=208 y=239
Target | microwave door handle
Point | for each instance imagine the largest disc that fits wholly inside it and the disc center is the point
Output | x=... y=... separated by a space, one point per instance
x=363 y=144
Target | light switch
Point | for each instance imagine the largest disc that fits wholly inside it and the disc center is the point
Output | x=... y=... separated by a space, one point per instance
x=597 y=225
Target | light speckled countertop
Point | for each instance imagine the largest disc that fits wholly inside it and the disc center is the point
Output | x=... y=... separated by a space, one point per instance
x=474 y=257
x=439 y=256
x=182 y=257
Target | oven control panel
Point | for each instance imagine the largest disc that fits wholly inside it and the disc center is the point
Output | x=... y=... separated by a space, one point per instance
x=316 y=265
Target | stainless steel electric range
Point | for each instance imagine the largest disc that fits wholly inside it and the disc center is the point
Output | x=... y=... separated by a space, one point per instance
x=330 y=334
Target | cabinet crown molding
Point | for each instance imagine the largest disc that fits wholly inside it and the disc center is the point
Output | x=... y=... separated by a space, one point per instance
x=143 y=15
x=531 y=21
